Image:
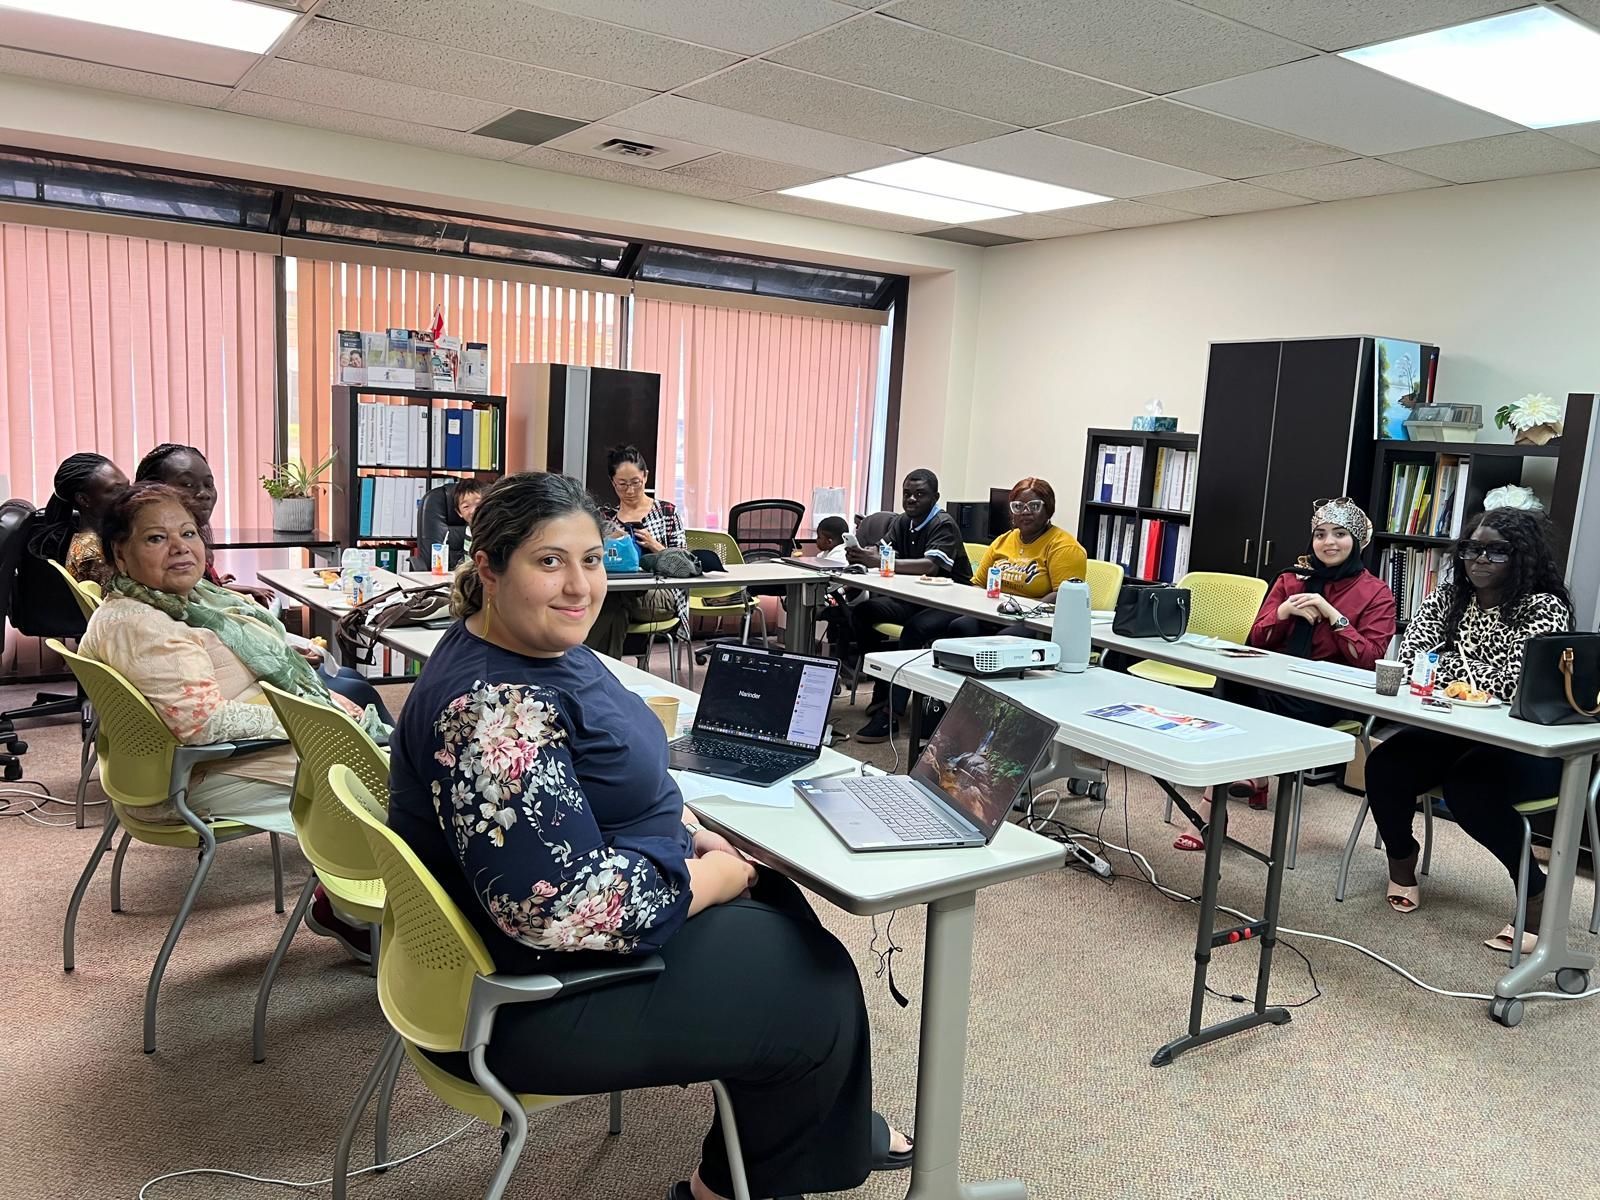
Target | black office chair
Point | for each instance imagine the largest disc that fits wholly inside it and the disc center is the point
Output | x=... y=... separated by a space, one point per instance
x=438 y=521
x=765 y=529
x=37 y=602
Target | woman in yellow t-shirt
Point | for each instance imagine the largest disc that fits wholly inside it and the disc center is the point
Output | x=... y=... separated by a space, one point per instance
x=1035 y=558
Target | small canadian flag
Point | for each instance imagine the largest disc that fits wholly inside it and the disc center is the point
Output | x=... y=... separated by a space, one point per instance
x=436 y=330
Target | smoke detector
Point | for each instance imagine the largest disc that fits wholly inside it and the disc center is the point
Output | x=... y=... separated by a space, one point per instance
x=647 y=150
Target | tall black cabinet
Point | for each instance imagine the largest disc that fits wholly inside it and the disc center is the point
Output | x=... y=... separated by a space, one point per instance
x=1286 y=423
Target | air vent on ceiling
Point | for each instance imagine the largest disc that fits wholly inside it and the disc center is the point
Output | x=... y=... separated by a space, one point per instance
x=529 y=128
x=648 y=150
x=630 y=150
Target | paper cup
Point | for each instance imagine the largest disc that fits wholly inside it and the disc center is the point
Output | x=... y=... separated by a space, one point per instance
x=666 y=711
x=1391 y=675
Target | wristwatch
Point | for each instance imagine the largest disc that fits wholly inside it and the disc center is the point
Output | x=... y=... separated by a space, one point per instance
x=1343 y=622
x=694 y=829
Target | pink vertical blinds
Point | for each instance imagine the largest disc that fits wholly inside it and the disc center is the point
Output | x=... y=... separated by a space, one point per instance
x=756 y=404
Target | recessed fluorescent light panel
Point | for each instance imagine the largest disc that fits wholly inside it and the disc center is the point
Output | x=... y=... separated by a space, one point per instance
x=858 y=193
x=960 y=182
x=233 y=24
x=1536 y=67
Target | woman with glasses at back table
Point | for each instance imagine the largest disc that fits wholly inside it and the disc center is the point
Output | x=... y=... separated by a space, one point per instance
x=1507 y=588
x=1035 y=557
x=654 y=526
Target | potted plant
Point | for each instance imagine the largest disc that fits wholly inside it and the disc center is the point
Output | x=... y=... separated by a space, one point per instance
x=292 y=488
x=1536 y=418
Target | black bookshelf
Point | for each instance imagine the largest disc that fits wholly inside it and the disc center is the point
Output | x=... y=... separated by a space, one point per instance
x=1091 y=508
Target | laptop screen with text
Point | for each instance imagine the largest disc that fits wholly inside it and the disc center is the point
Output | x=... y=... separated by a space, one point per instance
x=982 y=753
x=778 y=698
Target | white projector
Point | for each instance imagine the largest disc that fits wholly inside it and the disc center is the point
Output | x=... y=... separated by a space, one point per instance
x=1001 y=654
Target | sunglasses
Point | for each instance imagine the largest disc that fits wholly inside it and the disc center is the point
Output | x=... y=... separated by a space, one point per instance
x=1475 y=550
x=1018 y=507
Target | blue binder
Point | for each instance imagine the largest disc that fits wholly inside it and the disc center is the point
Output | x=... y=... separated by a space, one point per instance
x=367 y=485
x=452 y=440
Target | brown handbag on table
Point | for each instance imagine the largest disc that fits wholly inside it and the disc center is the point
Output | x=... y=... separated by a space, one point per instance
x=357 y=631
x=1560 y=681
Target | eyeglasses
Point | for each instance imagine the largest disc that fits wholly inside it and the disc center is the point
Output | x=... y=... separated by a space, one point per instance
x=1018 y=507
x=1474 y=550
x=628 y=484
x=1326 y=500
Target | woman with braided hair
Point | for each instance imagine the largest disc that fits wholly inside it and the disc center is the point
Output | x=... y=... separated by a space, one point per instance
x=84 y=487
x=1507 y=587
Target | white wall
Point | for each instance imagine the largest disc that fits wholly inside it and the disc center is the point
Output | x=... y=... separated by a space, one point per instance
x=1081 y=331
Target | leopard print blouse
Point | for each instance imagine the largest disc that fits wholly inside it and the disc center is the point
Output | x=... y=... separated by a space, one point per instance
x=1489 y=640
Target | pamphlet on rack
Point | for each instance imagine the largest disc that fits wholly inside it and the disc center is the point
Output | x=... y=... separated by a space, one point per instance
x=1160 y=720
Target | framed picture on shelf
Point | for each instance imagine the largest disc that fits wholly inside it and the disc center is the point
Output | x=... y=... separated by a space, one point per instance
x=1399 y=385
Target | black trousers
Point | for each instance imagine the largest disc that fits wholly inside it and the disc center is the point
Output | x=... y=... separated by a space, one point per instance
x=920 y=628
x=1312 y=712
x=756 y=993
x=1480 y=784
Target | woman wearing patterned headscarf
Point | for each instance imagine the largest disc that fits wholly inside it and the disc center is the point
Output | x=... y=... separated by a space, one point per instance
x=1327 y=607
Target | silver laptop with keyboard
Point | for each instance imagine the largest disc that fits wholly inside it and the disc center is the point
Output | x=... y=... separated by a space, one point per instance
x=958 y=793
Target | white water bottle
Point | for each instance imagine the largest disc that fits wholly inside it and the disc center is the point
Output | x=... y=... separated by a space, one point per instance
x=1070 y=628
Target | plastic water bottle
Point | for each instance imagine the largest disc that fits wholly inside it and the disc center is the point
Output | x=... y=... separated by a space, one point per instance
x=1070 y=627
x=885 y=559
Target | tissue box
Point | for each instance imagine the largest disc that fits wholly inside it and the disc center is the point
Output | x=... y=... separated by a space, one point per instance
x=1148 y=424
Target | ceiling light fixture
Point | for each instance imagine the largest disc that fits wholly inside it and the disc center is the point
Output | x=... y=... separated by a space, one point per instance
x=859 y=193
x=1536 y=66
x=939 y=177
x=233 y=24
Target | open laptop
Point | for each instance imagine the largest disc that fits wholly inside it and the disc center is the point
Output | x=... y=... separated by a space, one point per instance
x=958 y=793
x=813 y=562
x=761 y=715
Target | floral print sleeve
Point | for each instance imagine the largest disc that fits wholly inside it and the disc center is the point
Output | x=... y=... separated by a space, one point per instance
x=506 y=793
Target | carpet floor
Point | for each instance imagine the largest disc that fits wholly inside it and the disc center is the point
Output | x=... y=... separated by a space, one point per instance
x=1376 y=1088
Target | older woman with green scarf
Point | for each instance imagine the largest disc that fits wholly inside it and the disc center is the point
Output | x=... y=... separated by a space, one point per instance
x=199 y=653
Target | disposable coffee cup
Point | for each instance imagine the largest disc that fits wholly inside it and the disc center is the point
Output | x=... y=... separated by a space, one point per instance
x=666 y=711
x=1391 y=674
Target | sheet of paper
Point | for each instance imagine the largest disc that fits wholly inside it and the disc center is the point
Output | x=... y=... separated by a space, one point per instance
x=1341 y=672
x=1165 y=722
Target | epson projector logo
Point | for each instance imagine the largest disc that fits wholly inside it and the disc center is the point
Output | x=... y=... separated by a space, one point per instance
x=750 y=695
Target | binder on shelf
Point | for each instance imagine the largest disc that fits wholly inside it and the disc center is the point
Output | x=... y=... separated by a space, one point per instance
x=368 y=486
x=469 y=439
x=452 y=440
x=436 y=419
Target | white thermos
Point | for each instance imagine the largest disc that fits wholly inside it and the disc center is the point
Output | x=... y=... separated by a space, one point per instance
x=1070 y=629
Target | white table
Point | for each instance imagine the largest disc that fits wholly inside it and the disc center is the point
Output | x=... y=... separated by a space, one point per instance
x=795 y=842
x=1267 y=745
x=1575 y=745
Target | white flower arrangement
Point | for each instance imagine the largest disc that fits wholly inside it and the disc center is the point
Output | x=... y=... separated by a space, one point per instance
x=1531 y=410
x=1513 y=495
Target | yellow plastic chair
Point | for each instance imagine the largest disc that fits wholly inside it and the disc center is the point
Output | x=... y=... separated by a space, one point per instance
x=1220 y=606
x=1105 y=582
x=975 y=553
x=440 y=991
x=87 y=594
x=722 y=601
x=334 y=843
x=667 y=631
x=143 y=765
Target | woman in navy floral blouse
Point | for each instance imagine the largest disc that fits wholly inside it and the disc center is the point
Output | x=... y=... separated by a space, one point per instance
x=534 y=786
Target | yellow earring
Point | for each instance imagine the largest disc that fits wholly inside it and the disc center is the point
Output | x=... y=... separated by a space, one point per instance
x=488 y=616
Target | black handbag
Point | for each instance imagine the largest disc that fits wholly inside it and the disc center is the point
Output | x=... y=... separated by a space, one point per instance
x=1560 y=681
x=1151 y=610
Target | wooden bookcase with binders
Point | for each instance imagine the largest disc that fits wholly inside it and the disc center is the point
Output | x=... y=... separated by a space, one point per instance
x=1138 y=491
x=1423 y=493
x=395 y=444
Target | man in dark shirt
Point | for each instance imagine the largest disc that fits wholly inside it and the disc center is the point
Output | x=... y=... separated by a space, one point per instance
x=926 y=541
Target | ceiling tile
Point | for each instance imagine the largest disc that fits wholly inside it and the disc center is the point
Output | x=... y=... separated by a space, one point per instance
x=519 y=31
x=1503 y=157
x=429 y=64
x=1341 y=24
x=1202 y=141
x=784 y=94
x=1035 y=226
x=298 y=112
x=747 y=26
x=1341 y=103
x=1348 y=180
x=968 y=236
x=1223 y=199
x=802 y=207
x=375 y=97
x=1035 y=155
x=861 y=3
x=1584 y=10
x=547 y=159
x=111 y=79
x=1587 y=135
x=1126 y=214
x=1156 y=45
x=756 y=173
x=760 y=137
x=910 y=61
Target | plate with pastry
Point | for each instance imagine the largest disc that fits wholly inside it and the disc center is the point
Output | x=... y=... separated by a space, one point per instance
x=934 y=580
x=1463 y=693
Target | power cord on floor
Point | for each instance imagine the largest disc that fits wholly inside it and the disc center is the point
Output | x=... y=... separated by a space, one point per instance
x=305 y=1185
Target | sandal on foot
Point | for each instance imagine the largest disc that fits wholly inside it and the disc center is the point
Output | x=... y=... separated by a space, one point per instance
x=1189 y=841
x=1240 y=790
x=1403 y=899
x=883 y=1158
x=1502 y=940
x=1257 y=797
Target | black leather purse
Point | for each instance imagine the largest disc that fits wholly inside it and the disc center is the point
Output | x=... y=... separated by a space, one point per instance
x=1560 y=681
x=1151 y=610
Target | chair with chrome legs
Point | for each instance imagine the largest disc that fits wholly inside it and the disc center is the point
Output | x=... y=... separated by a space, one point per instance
x=141 y=766
x=88 y=597
x=439 y=991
